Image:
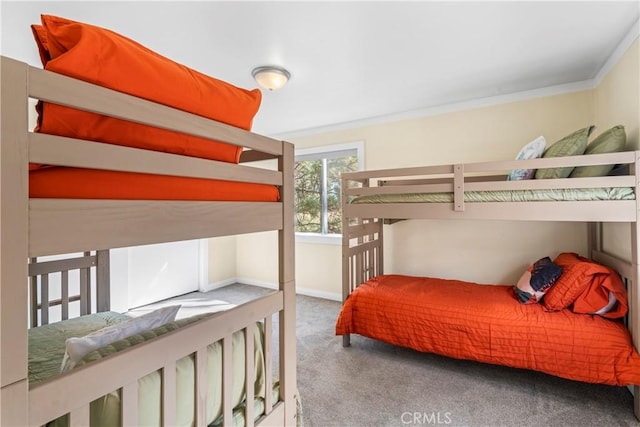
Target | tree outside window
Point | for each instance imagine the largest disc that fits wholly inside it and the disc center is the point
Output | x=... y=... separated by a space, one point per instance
x=317 y=183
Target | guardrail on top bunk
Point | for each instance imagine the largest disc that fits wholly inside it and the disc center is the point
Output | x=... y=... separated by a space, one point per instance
x=63 y=227
x=459 y=180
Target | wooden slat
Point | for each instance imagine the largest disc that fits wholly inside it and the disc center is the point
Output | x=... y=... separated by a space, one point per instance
x=51 y=399
x=552 y=162
x=227 y=381
x=64 y=292
x=75 y=263
x=249 y=367
x=380 y=250
x=44 y=299
x=201 y=387
x=66 y=91
x=55 y=150
x=103 y=282
x=458 y=188
x=478 y=185
x=129 y=404
x=58 y=301
x=402 y=189
x=33 y=293
x=66 y=226
x=361 y=248
x=268 y=363
x=397 y=172
x=613 y=211
x=169 y=394
x=360 y=230
x=85 y=292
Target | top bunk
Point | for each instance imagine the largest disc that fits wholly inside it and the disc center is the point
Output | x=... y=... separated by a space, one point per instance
x=482 y=191
x=63 y=224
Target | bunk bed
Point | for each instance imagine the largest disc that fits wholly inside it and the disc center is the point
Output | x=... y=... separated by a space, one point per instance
x=458 y=319
x=38 y=219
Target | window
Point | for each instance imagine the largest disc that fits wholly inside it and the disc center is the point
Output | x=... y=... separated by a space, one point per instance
x=317 y=185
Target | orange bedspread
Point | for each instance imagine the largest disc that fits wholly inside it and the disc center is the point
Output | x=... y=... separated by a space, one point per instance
x=485 y=323
x=74 y=183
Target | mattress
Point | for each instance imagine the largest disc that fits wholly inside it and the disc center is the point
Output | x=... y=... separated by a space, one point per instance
x=77 y=183
x=485 y=323
x=47 y=347
x=563 y=194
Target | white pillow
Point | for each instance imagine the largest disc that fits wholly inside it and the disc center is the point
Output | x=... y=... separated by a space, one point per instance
x=77 y=348
x=532 y=150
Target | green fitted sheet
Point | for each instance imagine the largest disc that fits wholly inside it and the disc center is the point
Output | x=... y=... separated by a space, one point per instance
x=564 y=194
x=46 y=345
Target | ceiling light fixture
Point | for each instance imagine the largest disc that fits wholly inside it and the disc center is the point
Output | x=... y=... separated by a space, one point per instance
x=271 y=77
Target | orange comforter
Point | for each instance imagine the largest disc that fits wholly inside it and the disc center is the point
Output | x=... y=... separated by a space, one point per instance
x=485 y=323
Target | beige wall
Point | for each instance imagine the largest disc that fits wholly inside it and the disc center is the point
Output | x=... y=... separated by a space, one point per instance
x=617 y=101
x=480 y=251
x=222 y=259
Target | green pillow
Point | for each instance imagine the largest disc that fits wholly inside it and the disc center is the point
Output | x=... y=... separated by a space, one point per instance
x=611 y=141
x=571 y=145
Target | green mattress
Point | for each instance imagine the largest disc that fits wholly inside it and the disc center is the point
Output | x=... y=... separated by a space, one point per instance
x=564 y=194
x=47 y=347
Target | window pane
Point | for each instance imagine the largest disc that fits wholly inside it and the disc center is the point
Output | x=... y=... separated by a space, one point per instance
x=334 y=168
x=308 y=176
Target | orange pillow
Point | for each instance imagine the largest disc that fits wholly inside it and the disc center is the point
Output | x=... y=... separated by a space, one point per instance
x=105 y=58
x=605 y=296
x=577 y=274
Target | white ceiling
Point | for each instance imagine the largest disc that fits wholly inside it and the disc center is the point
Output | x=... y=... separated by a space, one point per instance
x=354 y=62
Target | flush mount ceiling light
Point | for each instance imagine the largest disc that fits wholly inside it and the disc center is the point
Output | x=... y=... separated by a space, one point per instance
x=271 y=77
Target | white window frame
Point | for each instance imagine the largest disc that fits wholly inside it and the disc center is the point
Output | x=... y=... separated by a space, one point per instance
x=320 y=151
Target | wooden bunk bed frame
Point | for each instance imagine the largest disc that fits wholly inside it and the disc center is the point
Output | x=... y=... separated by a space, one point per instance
x=31 y=228
x=362 y=238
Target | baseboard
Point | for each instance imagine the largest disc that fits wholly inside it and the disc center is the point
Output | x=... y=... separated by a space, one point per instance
x=270 y=285
x=319 y=294
x=217 y=285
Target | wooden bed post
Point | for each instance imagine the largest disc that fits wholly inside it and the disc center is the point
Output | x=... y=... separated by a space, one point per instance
x=13 y=242
x=346 y=279
x=103 y=290
x=286 y=247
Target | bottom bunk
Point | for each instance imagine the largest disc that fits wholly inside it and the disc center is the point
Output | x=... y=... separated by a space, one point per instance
x=157 y=368
x=487 y=323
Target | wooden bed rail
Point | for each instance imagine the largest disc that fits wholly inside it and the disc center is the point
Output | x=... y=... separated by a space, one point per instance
x=490 y=168
x=39 y=281
x=453 y=182
x=74 y=391
x=53 y=230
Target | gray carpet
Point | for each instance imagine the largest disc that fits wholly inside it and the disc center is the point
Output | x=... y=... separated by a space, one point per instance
x=375 y=384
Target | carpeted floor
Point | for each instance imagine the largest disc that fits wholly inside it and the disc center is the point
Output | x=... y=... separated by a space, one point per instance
x=375 y=384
